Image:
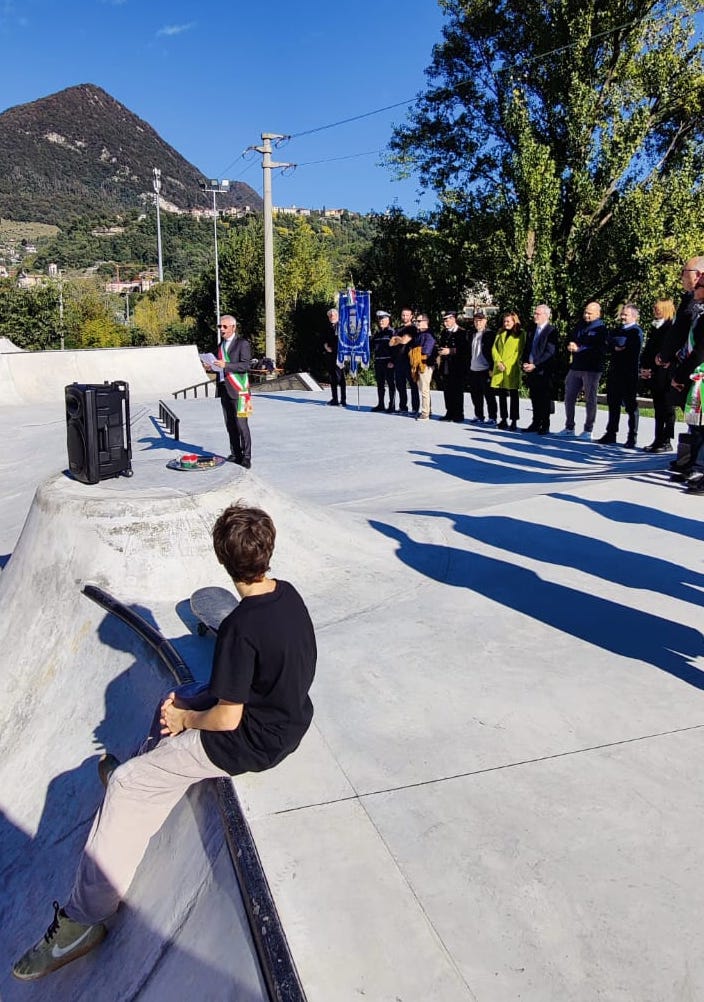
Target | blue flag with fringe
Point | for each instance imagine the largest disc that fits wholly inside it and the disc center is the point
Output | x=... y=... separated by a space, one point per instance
x=353 y=329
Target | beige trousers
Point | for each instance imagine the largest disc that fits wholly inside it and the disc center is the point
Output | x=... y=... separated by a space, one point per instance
x=140 y=796
x=424 y=379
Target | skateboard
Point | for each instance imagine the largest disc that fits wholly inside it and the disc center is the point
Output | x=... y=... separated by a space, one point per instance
x=210 y=606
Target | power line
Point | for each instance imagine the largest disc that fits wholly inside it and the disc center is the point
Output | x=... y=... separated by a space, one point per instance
x=354 y=118
x=400 y=104
x=349 y=156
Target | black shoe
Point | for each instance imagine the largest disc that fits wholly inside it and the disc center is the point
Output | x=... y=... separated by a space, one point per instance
x=531 y=428
x=458 y=420
x=543 y=431
x=378 y=409
x=445 y=417
x=333 y=403
x=503 y=425
x=630 y=443
x=696 y=484
x=662 y=447
x=607 y=439
x=403 y=410
x=232 y=458
x=246 y=463
x=106 y=767
x=343 y=403
x=650 y=448
x=682 y=476
x=513 y=426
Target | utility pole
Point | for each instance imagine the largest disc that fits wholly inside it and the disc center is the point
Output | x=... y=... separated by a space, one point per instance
x=269 y=301
x=61 y=308
x=216 y=186
x=157 y=191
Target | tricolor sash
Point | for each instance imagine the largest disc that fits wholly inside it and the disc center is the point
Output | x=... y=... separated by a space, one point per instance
x=693 y=407
x=240 y=383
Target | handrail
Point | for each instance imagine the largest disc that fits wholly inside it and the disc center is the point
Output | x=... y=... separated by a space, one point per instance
x=167 y=417
x=196 y=386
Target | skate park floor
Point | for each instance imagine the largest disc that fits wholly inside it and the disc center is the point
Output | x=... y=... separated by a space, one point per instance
x=498 y=797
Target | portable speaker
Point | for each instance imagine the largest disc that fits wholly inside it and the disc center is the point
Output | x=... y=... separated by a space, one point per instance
x=98 y=431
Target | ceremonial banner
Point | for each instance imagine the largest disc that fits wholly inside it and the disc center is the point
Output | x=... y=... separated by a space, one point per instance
x=353 y=333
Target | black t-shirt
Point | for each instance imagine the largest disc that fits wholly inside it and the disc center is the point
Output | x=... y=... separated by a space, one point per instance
x=265 y=658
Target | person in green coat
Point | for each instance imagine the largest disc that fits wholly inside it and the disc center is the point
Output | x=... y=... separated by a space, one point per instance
x=506 y=379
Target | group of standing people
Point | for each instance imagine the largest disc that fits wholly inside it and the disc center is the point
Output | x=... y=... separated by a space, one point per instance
x=494 y=365
x=490 y=364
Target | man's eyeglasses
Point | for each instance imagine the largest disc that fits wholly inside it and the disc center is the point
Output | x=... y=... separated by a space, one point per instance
x=225 y=326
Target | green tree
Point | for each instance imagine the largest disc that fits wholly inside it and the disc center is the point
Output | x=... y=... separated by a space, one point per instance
x=156 y=315
x=420 y=263
x=30 y=317
x=566 y=136
x=91 y=316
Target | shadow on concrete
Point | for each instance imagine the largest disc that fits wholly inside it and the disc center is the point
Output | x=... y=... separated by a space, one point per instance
x=165 y=441
x=617 y=628
x=564 y=548
x=487 y=466
x=637 y=514
x=138 y=959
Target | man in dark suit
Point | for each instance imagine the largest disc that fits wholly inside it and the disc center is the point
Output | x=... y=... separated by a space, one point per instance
x=452 y=355
x=235 y=356
x=336 y=373
x=538 y=361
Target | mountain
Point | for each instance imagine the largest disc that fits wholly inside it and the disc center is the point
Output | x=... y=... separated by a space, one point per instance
x=80 y=151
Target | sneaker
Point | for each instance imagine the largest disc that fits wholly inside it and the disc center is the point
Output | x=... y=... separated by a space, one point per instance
x=106 y=767
x=586 y=435
x=64 y=941
x=567 y=433
x=423 y=417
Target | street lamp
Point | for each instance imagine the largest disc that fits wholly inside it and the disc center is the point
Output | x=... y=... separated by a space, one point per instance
x=222 y=186
x=157 y=192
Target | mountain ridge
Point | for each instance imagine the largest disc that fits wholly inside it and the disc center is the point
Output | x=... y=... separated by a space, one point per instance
x=81 y=151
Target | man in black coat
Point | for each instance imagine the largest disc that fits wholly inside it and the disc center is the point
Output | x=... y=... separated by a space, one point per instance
x=383 y=361
x=537 y=363
x=453 y=351
x=336 y=372
x=625 y=345
x=235 y=356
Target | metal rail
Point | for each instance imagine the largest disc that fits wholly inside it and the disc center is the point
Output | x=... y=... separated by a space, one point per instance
x=196 y=386
x=167 y=417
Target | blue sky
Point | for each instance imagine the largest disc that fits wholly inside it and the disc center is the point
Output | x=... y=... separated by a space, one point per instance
x=211 y=83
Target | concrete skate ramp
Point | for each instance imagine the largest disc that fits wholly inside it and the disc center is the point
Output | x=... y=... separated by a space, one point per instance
x=28 y=377
x=76 y=680
x=499 y=797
